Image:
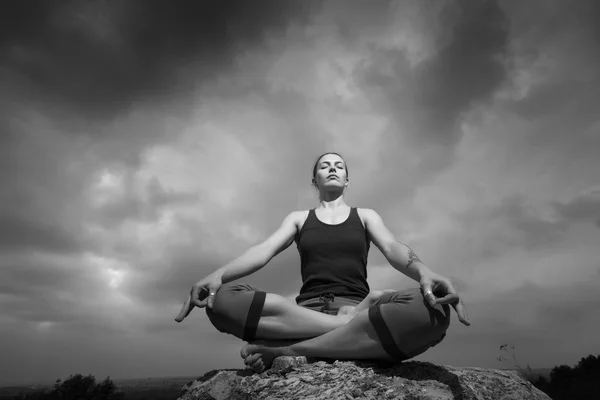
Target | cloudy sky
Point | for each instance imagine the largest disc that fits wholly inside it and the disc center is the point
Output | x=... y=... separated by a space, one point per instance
x=145 y=144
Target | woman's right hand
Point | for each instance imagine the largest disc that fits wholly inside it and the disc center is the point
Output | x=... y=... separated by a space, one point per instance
x=201 y=295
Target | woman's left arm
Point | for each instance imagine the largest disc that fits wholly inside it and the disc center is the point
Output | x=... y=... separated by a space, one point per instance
x=401 y=257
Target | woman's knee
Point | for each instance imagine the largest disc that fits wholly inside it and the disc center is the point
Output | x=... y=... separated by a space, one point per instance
x=236 y=308
x=227 y=290
x=414 y=325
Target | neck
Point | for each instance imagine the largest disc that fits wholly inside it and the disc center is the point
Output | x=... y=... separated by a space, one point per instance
x=332 y=200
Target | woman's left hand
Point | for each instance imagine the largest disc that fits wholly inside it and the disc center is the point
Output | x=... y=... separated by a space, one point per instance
x=433 y=283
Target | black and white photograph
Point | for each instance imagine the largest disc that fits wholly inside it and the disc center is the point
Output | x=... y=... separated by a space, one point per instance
x=299 y=199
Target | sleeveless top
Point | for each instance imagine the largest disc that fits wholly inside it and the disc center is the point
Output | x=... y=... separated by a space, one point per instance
x=333 y=258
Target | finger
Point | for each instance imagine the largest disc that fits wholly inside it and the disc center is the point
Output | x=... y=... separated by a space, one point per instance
x=211 y=296
x=197 y=297
x=185 y=310
x=428 y=294
x=461 y=310
x=259 y=366
x=454 y=299
x=450 y=298
x=202 y=303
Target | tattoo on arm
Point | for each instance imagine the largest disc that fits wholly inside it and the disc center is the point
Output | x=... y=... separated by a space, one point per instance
x=412 y=257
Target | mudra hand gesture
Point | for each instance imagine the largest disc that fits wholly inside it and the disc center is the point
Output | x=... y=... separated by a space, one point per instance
x=433 y=284
x=201 y=295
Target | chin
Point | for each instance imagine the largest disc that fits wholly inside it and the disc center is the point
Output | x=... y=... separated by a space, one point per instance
x=335 y=186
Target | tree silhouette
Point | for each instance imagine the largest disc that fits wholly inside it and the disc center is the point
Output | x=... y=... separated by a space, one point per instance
x=77 y=387
x=566 y=383
x=579 y=382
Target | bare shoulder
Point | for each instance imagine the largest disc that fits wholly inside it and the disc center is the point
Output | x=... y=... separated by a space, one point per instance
x=297 y=217
x=367 y=214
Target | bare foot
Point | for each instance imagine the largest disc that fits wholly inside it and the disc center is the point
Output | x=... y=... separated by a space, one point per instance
x=254 y=360
x=265 y=354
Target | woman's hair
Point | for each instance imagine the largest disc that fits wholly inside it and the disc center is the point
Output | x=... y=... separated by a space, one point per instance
x=314 y=173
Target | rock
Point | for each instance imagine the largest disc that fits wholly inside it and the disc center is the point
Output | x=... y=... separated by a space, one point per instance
x=292 y=378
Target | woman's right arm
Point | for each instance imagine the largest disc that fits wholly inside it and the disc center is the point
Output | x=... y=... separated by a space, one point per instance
x=259 y=255
x=251 y=261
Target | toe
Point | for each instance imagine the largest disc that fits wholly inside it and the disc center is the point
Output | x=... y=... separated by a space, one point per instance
x=250 y=360
x=259 y=366
x=244 y=351
x=256 y=364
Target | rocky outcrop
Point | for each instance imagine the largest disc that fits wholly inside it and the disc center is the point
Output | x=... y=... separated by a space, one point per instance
x=293 y=378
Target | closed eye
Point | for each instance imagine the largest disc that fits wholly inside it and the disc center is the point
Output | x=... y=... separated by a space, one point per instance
x=338 y=165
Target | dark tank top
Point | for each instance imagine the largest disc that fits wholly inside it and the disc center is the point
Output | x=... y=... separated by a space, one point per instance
x=333 y=258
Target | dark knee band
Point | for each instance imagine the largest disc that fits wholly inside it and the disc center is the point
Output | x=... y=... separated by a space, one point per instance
x=254 y=316
x=384 y=334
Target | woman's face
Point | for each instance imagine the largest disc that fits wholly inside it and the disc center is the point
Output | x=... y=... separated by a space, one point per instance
x=331 y=172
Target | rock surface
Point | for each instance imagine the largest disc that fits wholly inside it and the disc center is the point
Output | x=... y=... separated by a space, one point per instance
x=293 y=378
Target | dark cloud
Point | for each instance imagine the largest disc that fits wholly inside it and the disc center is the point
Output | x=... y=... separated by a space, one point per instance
x=164 y=286
x=47 y=288
x=564 y=38
x=585 y=207
x=425 y=103
x=38 y=201
x=527 y=229
x=487 y=232
x=562 y=306
x=467 y=69
x=355 y=20
x=133 y=206
x=20 y=232
x=98 y=58
x=37 y=277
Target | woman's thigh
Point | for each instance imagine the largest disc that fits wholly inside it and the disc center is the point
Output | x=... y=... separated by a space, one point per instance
x=406 y=325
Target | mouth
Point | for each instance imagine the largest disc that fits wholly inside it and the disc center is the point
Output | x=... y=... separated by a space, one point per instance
x=332 y=176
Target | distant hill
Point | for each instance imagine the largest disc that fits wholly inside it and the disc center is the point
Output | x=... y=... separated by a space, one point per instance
x=135 y=389
x=168 y=388
x=535 y=374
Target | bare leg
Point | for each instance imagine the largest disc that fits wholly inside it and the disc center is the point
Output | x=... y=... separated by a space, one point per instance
x=355 y=340
x=281 y=319
x=284 y=319
x=371 y=298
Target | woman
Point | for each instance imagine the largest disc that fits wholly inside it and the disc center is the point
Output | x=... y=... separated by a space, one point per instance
x=336 y=316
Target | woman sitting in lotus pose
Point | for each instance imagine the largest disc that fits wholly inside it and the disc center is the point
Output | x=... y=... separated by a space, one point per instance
x=335 y=315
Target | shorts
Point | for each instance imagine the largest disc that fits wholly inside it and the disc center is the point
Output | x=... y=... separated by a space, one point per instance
x=329 y=306
x=237 y=309
x=406 y=324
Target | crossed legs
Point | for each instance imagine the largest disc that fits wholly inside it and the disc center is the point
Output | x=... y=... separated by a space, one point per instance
x=356 y=339
x=283 y=319
x=284 y=328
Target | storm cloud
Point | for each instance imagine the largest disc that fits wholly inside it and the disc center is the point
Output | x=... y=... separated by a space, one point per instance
x=149 y=143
